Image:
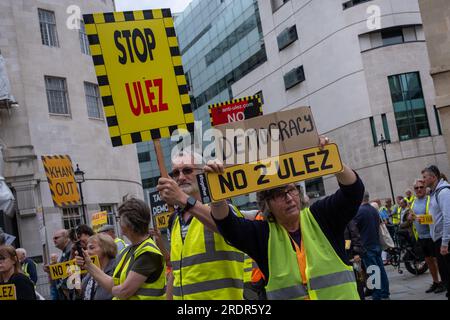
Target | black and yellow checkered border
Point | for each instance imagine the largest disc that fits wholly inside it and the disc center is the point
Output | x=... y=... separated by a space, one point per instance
x=255 y=98
x=118 y=139
x=44 y=162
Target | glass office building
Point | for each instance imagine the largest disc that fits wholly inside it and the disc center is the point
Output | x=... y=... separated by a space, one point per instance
x=220 y=42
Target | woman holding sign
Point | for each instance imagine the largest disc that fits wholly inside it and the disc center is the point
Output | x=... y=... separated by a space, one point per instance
x=10 y=274
x=139 y=273
x=299 y=249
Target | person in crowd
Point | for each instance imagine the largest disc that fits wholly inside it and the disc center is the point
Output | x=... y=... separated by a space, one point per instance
x=195 y=249
x=353 y=248
x=53 y=289
x=409 y=197
x=440 y=211
x=28 y=266
x=396 y=211
x=384 y=213
x=419 y=207
x=404 y=211
x=300 y=250
x=10 y=273
x=62 y=242
x=368 y=222
x=109 y=230
x=80 y=235
x=103 y=246
x=139 y=271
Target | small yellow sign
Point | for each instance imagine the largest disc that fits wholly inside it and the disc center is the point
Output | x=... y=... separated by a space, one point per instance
x=140 y=74
x=162 y=220
x=274 y=172
x=61 y=270
x=8 y=292
x=99 y=219
x=61 y=180
x=426 y=219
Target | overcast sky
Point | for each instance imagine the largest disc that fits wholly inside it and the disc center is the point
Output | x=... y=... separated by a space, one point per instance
x=176 y=6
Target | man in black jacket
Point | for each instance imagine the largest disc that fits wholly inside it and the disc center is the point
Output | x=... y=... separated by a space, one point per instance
x=353 y=248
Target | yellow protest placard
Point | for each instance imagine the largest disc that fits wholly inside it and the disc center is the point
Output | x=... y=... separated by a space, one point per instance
x=8 y=292
x=426 y=219
x=61 y=180
x=140 y=74
x=99 y=219
x=61 y=270
x=162 y=220
x=287 y=168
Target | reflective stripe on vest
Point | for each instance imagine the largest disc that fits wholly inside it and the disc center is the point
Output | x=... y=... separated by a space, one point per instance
x=204 y=265
x=427 y=211
x=327 y=276
x=396 y=216
x=147 y=291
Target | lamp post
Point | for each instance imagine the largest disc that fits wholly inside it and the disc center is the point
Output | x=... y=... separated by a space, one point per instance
x=383 y=142
x=79 y=178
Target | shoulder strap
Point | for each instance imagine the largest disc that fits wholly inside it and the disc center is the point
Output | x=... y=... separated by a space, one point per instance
x=439 y=191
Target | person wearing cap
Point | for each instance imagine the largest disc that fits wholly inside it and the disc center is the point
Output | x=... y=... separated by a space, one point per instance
x=109 y=230
x=299 y=249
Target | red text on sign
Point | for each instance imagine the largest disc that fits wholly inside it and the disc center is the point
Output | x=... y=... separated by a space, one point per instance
x=146 y=102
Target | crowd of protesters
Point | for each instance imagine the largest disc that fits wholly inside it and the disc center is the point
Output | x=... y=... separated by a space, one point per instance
x=216 y=249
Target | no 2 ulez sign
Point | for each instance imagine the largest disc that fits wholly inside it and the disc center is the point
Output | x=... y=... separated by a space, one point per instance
x=274 y=172
x=61 y=180
x=140 y=74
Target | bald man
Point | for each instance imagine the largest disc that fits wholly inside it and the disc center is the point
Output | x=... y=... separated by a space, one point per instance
x=62 y=242
x=28 y=265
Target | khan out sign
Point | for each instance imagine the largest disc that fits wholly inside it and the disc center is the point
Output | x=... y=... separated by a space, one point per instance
x=140 y=75
x=287 y=168
x=61 y=180
x=235 y=110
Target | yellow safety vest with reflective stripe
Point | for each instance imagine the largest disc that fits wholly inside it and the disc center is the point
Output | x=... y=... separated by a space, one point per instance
x=25 y=270
x=147 y=291
x=427 y=211
x=118 y=240
x=396 y=217
x=410 y=200
x=204 y=266
x=328 y=277
x=248 y=268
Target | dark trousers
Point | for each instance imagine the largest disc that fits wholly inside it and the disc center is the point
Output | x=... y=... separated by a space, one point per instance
x=443 y=264
x=372 y=256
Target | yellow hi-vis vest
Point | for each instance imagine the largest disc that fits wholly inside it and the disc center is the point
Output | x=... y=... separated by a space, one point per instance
x=328 y=277
x=410 y=200
x=248 y=268
x=427 y=211
x=147 y=291
x=396 y=217
x=204 y=266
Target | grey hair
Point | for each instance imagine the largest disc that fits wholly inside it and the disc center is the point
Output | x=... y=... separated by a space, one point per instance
x=198 y=159
x=366 y=196
x=22 y=250
x=418 y=180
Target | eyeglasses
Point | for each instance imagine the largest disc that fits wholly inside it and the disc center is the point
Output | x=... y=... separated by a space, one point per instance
x=186 y=171
x=282 y=194
x=419 y=187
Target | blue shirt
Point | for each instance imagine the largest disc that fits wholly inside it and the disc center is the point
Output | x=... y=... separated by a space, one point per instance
x=368 y=221
x=384 y=215
x=419 y=209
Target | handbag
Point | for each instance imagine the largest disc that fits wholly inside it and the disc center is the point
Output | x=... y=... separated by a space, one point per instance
x=386 y=241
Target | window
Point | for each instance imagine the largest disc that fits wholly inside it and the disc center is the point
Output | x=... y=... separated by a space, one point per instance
x=111 y=213
x=374 y=131
x=84 y=42
x=144 y=156
x=392 y=36
x=47 y=24
x=409 y=106
x=438 y=120
x=315 y=188
x=387 y=134
x=352 y=3
x=71 y=218
x=286 y=37
x=150 y=183
x=276 y=4
x=294 y=77
x=58 y=101
x=93 y=101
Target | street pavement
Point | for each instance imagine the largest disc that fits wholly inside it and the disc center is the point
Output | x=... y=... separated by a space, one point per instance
x=407 y=286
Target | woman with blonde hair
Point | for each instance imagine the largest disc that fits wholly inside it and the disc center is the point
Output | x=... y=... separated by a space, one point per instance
x=103 y=246
x=10 y=273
